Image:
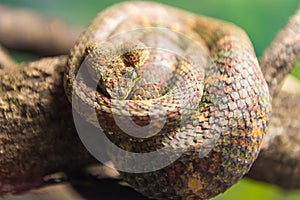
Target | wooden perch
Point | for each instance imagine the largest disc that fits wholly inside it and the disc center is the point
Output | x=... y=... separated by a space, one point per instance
x=37 y=134
x=34 y=33
x=282 y=55
x=6 y=61
x=279 y=162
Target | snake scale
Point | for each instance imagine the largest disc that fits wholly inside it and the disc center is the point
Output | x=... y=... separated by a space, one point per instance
x=209 y=78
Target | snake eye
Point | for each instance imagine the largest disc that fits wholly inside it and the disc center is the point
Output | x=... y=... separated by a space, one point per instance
x=90 y=48
x=135 y=57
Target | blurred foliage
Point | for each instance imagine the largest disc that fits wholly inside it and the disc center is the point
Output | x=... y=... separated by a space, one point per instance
x=247 y=189
x=296 y=72
x=261 y=19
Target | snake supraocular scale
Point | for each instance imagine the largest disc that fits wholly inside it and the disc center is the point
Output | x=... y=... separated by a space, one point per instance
x=149 y=63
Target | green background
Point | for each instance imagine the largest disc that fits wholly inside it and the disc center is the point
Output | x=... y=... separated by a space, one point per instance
x=261 y=19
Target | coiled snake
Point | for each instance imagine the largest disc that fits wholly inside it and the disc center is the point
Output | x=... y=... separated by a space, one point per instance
x=190 y=83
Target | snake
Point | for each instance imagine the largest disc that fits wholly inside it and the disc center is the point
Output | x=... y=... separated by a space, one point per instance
x=182 y=90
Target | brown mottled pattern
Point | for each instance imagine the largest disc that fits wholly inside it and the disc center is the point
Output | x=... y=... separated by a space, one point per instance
x=234 y=109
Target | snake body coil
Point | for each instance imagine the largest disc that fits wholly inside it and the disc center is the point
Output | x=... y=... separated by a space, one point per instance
x=225 y=116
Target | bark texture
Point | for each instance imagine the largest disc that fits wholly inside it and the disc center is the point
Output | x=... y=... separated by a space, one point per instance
x=279 y=161
x=35 y=33
x=282 y=55
x=37 y=134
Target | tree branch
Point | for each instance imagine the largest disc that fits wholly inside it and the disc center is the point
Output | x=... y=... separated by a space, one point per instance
x=279 y=161
x=5 y=60
x=34 y=33
x=37 y=133
x=282 y=55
